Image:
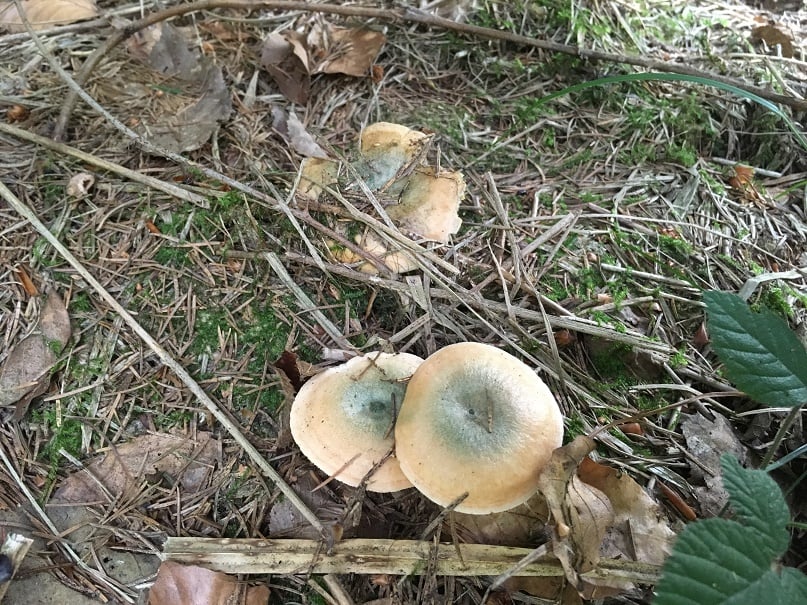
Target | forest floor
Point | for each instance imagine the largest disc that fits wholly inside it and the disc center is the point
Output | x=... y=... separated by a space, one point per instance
x=591 y=224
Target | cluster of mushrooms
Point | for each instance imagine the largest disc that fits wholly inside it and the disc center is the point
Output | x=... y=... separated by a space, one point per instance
x=470 y=423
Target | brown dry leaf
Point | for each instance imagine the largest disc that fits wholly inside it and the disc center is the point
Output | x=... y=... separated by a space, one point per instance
x=123 y=468
x=523 y=526
x=349 y=51
x=429 y=204
x=194 y=97
x=25 y=372
x=285 y=58
x=289 y=126
x=79 y=184
x=639 y=532
x=194 y=585
x=706 y=441
x=775 y=34
x=45 y=13
x=555 y=589
x=315 y=175
x=581 y=513
x=285 y=520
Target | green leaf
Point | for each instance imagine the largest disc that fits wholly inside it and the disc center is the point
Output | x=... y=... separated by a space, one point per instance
x=761 y=353
x=712 y=560
x=724 y=562
x=753 y=495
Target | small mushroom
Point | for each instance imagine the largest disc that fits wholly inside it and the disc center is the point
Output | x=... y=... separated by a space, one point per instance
x=476 y=419
x=386 y=148
x=343 y=418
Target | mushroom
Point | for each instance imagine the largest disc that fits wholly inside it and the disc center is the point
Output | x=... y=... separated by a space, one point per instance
x=476 y=419
x=385 y=149
x=343 y=418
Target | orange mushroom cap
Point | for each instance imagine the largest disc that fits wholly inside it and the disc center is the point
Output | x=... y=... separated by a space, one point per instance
x=342 y=419
x=475 y=419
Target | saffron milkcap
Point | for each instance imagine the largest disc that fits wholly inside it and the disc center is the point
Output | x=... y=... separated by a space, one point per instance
x=343 y=418
x=476 y=419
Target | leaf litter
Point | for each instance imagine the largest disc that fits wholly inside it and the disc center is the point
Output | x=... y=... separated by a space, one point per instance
x=193 y=98
x=291 y=57
x=578 y=167
x=25 y=372
x=45 y=13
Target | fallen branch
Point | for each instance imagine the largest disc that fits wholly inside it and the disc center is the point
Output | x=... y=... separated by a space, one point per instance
x=406 y=15
x=394 y=557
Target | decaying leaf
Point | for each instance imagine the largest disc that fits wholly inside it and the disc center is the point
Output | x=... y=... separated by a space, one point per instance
x=25 y=372
x=286 y=60
x=285 y=520
x=293 y=131
x=79 y=184
x=177 y=583
x=291 y=58
x=315 y=175
x=349 y=51
x=177 y=458
x=45 y=13
x=639 y=531
x=580 y=513
x=707 y=440
x=523 y=526
x=775 y=34
x=429 y=204
x=194 y=97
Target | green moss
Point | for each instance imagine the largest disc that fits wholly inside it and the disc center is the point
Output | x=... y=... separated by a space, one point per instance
x=80 y=303
x=773 y=298
x=266 y=333
x=65 y=436
x=172 y=256
x=206 y=333
x=682 y=154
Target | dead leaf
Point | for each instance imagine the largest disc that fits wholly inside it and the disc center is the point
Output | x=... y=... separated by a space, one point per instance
x=706 y=441
x=523 y=526
x=287 y=64
x=192 y=97
x=25 y=372
x=581 y=513
x=79 y=184
x=775 y=34
x=639 y=531
x=349 y=51
x=289 y=126
x=45 y=13
x=285 y=520
x=123 y=468
x=26 y=281
x=194 y=585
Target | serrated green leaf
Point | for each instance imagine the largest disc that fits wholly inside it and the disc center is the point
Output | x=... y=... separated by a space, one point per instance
x=724 y=562
x=758 y=502
x=762 y=355
x=712 y=560
x=794 y=585
x=768 y=589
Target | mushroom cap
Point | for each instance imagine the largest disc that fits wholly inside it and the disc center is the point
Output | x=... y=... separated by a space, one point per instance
x=342 y=419
x=476 y=419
